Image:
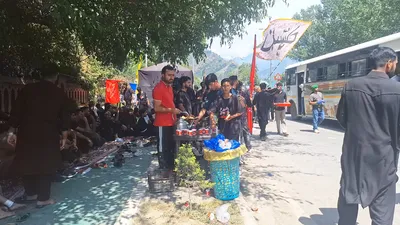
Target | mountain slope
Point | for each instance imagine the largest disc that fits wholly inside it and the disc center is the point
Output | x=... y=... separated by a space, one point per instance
x=213 y=63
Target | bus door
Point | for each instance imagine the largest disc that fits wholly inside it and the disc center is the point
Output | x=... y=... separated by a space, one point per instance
x=300 y=95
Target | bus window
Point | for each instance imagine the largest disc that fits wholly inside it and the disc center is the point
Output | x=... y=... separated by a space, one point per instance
x=293 y=79
x=349 y=69
x=332 y=72
x=321 y=74
x=312 y=75
x=342 y=70
x=358 y=67
x=288 y=79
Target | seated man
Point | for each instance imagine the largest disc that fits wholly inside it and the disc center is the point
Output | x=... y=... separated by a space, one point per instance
x=70 y=153
x=7 y=154
x=91 y=120
x=128 y=122
x=145 y=126
x=80 y=123
x=108 y=128
x=10 y=205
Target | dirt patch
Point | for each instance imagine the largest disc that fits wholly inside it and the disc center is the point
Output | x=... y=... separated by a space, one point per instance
x=160 y=210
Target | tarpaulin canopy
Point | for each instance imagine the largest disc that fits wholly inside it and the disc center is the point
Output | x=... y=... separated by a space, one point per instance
x=150 y=76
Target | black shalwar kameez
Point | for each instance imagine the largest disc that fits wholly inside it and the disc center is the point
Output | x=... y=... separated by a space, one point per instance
x=369 y=110
x=264 y=102
x=40 y=113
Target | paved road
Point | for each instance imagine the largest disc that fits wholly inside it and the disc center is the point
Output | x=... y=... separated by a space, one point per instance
x=295 y=180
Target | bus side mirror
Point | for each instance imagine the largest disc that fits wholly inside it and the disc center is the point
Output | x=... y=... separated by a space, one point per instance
x=288 y=88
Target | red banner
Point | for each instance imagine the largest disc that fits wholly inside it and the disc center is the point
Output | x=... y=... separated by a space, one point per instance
x=250 y=119
x=252 y=76
x=112 y=92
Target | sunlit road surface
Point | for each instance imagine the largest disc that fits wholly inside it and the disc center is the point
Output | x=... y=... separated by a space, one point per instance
x=295 y=180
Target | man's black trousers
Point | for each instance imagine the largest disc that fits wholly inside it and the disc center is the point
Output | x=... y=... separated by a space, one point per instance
x=263 y=121
x=38 y=185
x=381 y=210
x=166 y=147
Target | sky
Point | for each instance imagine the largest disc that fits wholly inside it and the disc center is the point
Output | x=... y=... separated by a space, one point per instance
x=242 y=47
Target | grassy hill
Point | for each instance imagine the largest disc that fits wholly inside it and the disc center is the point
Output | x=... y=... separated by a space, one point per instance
x=213 y=63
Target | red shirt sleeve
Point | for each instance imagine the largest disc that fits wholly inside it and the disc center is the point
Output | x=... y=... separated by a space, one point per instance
x=157 y=93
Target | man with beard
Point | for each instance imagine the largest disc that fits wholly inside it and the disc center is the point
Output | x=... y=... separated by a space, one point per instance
x=166 y=112
x=38 y=139
x=184 y=101
x=370 y=113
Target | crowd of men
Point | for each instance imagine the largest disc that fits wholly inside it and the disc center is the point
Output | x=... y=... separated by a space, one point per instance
x=30 y=153
x=224 y=104
x=77 y=130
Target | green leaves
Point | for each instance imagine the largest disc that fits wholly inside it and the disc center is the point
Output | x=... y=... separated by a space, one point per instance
x=186 y=166
x=244 y=74
x=338 y=24
x=61 y=31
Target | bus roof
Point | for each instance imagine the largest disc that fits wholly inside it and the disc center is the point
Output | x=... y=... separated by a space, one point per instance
x=348 y=50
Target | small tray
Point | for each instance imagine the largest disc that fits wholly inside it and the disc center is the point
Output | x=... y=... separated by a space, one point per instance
x=283 y=104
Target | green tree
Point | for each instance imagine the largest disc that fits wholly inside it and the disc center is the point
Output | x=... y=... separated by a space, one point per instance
x=94 y=75
x=36 y=32
x=243 y=74
x=338 y=24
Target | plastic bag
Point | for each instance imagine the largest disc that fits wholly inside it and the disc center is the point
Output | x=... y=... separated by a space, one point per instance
x=222 y=214
x=224 y=144
x=214 y=144
x=119 y=140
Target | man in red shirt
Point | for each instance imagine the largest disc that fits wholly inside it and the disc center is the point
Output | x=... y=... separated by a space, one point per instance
x=166 y=112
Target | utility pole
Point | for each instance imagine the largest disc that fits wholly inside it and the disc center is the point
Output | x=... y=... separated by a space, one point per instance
x=193 y=61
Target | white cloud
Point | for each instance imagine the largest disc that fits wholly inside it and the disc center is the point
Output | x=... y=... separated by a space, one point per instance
x=243 y=47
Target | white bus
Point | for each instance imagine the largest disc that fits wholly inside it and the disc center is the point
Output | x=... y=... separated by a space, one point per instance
x=331 y=72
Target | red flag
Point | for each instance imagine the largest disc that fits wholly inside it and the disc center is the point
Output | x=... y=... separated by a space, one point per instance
x=252 y=77
x=112 y=92
x=253 y=67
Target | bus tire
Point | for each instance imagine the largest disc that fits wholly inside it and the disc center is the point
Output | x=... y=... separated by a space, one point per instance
x=293 y=110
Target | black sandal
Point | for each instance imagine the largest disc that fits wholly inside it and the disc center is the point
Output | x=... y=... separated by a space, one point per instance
x=40 y=206
x=23 y=200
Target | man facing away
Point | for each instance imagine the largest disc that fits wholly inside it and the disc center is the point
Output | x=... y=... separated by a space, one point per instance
x=235 y=83
x=38 y=138
x=280 y=112
x=166 y=112
x=263 y=102
x=369 y=110
x=317 y=102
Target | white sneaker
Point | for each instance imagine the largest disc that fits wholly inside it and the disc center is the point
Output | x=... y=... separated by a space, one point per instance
x=316 y=131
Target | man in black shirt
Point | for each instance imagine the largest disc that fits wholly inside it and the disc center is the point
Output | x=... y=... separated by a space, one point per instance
x=263 y=102
x=184 y=102
x=128 y=94
x=235 y=83
x=280 y=112
x=214 y=87
x=369 y=110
